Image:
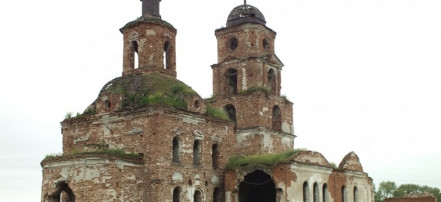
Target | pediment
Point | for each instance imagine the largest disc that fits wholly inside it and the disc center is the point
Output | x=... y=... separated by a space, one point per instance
x=351 y=162
x=311 y=158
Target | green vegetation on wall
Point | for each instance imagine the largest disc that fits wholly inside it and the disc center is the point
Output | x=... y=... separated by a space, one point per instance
x=218 y=113
x=265 y=160
x=115 y=152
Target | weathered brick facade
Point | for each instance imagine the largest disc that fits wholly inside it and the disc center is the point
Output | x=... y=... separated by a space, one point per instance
x=150 y=137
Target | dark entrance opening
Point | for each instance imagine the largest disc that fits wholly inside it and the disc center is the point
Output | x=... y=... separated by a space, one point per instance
x=257 y=187
x=63 y=193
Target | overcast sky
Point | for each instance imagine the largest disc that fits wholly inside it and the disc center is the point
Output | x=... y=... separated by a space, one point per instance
x=364 y=76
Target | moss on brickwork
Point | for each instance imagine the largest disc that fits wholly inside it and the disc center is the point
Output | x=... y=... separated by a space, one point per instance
x=260 y=160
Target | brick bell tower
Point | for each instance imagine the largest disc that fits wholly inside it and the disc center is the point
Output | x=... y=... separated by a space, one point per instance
x=247 y=83
x=149 y=43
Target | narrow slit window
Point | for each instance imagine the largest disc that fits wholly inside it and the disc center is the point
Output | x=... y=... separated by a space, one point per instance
x=231 y=111
x=343 y=194
x=325 y=193
x=316 y=192
x=196 y=153
x=176 y=150
x=355 y=194
x=166 y=56
x=272 y=84
x=231 y=76
x=215 y=155
x=277 y=119
x=305 y=192
x=134 y=54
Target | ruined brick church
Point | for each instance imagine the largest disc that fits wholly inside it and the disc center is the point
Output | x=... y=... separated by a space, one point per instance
x=150 y=137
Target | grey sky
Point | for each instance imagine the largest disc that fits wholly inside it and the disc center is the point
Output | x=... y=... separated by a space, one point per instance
x=364 y=76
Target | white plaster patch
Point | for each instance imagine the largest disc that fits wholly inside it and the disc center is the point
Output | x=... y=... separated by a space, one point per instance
x=198 y=135
x=288 y=142
x=216 y=138
x=228 y=196
x=243 y=137
x=141 y=44
x=177 y=177
x=267 y=142
x=150 y=32
x=215 y=180
x=111 y=194
x=177 y=131
x=135 y=131
x=286 y=127
x=244 y=79
x=107 y=131
x=197 y=180
x=82 y=139
x=191 y=120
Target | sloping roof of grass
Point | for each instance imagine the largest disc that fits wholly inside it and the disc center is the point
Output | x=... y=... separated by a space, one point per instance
x=142 y=89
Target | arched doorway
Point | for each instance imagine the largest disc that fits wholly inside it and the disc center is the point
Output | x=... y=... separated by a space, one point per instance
x=257 y=187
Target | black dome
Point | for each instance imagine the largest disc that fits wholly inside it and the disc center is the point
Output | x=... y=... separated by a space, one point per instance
x=244 y=14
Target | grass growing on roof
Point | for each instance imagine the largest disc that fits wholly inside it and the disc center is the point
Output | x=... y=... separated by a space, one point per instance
x=153 y=89
x=115 y=152
x=266 y=160
x=218 y=113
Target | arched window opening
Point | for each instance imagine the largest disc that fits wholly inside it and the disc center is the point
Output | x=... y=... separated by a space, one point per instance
x=176 y=150
x=134 y=54
x=177 y=194
x=63 y=193
x=266 y=45
x=197 y=196
x=107 y=104
x=214 y=155
x=277 y=119
x=343 y=194
x=305 y=192
x=325 y=193
x=231 y=111
x=166 y=56
x=272 y=84
x=231 y=76
x=257 y=186
x=232 y=43
x=196 y=152
x=217 y=195
x=355 y=194
x=316 y=192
